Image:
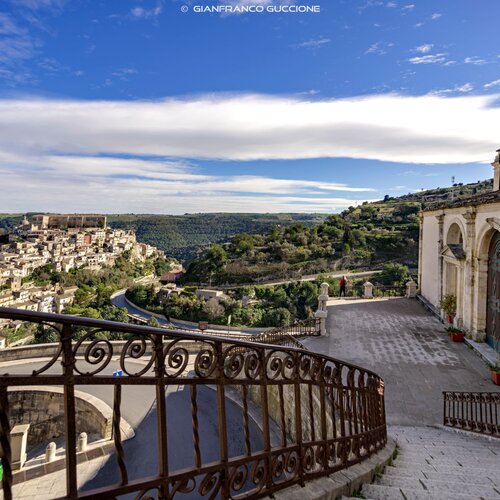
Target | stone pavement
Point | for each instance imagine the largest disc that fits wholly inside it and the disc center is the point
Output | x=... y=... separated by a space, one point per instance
x=439 y=464
x=54 y=485
x=399 y=340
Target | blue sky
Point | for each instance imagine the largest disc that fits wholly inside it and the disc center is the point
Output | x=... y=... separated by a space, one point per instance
x=121 y=106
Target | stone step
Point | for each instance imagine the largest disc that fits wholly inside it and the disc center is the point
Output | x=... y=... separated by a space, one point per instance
x=440 y=460
x=477 y=478
x=433 y=486
x=380 y=492
x=463 y=450
x=454 y=469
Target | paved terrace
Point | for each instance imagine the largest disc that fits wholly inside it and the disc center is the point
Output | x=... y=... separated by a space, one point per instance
x=398 y=339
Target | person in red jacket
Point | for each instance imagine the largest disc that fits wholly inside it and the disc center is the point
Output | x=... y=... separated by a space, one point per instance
x=343 y=285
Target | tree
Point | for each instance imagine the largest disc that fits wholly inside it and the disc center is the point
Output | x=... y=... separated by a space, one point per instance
x=393 y=274
x=45 y=335
x=276 y=317
x=152 y=321
x=213 y=309
x=215 y=259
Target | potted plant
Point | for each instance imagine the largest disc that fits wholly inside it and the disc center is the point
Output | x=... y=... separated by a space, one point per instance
x=449 y=305
x=455 y=334
x=495 y=373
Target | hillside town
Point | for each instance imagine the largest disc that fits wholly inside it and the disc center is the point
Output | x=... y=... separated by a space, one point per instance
x=62 y=243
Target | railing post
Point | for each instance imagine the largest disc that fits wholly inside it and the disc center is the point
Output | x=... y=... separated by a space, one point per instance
x=5 y=449
x=222 y=423
x=161 y=414
x=68 y=361
x=298 y=418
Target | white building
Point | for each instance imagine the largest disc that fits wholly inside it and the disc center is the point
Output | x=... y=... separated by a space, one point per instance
x=460 y=255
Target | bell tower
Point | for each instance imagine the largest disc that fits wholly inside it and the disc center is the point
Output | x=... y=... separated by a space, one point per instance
x=496 y=172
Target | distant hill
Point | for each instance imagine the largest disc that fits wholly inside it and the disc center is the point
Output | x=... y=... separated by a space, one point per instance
x=184 y=236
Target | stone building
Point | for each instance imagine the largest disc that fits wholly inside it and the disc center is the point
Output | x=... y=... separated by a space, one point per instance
x=460 y=255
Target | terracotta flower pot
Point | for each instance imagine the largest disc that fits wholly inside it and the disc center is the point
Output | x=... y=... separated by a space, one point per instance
x=495 y=376
x=457 y=336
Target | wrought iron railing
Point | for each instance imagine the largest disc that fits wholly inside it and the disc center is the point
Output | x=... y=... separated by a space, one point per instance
x=472 y=411
x=302 y=415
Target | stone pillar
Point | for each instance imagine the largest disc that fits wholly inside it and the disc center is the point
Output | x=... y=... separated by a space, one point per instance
x=411 y=289
x=469 y=269
x=18 y=441
x=440 y=219
x=50 y=452
x=322 y=313
x=496 y=172
x=367 y=290
x=321 y=317
x=420 y=246
x=82 y=442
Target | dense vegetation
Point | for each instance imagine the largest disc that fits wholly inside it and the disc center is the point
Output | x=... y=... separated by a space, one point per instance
x=258 y=306
x=361 y=237
x=92 y=299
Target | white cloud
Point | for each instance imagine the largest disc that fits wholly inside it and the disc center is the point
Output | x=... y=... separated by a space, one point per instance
x=51 y=151
x=135 y=185
x=494 y=83
x=436 y=15
x=428 y=59
x=410 y=6
x=474 y=60
x=314 y=43
x=424 y=49
x=255 y=127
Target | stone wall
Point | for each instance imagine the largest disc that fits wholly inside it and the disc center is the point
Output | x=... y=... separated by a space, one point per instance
x=43 y=409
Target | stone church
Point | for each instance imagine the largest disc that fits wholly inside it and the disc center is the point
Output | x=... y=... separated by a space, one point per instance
x=460 y=255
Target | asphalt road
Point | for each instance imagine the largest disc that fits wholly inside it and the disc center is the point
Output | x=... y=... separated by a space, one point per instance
x=141 y=453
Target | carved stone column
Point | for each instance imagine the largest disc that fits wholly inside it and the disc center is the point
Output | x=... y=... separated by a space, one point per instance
x=440 y=219
x=469 y=269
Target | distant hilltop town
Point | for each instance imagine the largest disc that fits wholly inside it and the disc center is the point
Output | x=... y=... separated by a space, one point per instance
x=63 y=242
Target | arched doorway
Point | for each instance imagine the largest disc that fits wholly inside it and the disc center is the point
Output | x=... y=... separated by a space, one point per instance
x=493 y=304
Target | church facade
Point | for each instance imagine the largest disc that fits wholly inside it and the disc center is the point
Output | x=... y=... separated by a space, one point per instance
x=460 y=255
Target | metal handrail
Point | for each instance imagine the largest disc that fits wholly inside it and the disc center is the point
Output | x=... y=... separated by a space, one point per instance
x=472 y=411
x=316 y=414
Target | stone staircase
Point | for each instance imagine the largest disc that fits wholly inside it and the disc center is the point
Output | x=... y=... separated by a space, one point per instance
x=435 y=463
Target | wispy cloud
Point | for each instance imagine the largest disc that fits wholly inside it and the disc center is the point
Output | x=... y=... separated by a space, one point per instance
x=494 y=83
x=139 y=12
x=428 y=59
x=463 y=89
x=477 y=61
x=379 y=48
x=314 y=43
x=436 y=15
x=124 y=73
x=424 y=49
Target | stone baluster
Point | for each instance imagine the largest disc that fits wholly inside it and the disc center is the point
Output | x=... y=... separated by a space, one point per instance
x=50 y=452
x=368 y=290
x=18 y=442
x=82 y=442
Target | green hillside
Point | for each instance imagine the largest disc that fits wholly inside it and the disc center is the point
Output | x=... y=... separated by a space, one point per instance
x=183 y=236
x=361 y=238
